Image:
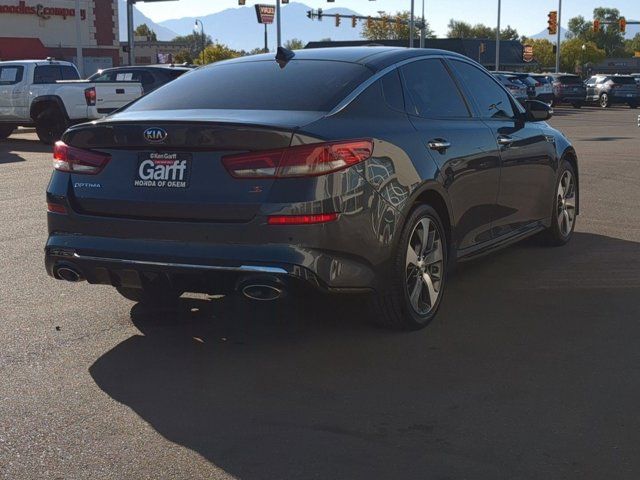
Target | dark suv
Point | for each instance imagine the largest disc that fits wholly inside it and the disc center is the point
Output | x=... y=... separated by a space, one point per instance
x=609 y=89
x=150 y=76
x=568 y=88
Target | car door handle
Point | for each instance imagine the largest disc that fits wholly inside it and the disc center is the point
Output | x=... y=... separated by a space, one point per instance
x=438 y=144
x=505 y=141
x=120 y=91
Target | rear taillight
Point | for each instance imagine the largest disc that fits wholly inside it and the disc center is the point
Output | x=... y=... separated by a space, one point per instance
x=299 y=161
x=90 y=96
x=301 y=219
x=78 y=160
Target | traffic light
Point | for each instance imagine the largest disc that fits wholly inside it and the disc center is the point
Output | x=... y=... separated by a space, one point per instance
x=242 y=2
x=284 y=1
x=354 y=21
x=552 y=22
x=623 y=24
x=320 y=14
x=337 y=19
x=596 y=25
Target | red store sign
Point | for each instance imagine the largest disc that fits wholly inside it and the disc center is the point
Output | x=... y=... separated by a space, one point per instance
x=41 y=11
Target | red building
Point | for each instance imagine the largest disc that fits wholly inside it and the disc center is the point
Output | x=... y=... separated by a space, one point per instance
x=31 y=29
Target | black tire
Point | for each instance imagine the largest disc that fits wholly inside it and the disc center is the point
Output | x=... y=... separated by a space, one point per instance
x=633 y=105
x=50 y=125
x=605 y=101
x=577 y=104
x=554 y=235
x=392 y=307
x=151 y=295
x=6 y=130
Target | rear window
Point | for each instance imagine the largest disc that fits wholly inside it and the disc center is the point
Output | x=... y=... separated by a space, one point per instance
x=570 y=79
x=314 y=85
x=53 y=73
x=623 y=80
x=11 y=74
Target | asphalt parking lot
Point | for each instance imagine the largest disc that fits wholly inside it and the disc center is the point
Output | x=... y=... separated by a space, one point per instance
x=530 y=371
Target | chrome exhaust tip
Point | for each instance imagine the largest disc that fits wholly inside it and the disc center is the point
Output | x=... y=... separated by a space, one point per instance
x=68 y=274
x=262 y=292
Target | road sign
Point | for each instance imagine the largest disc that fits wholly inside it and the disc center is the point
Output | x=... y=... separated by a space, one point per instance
x=527 y=53
x=265 y=13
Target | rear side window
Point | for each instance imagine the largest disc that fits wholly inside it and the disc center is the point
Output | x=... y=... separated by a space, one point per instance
x=314 y=85
x=69 y=73
x=53 y=73
x=492 y=100
x=392 y=89
x=623 y=80
x=569 y=79
x=11 y=74
x=173 y=74
x=431 y=92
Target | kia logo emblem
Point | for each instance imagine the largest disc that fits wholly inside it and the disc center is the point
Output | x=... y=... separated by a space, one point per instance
x=155 y=135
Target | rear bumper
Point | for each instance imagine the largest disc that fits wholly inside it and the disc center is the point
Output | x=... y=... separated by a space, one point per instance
x=623 y=98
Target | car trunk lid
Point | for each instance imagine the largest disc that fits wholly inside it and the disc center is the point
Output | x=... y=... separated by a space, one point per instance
x=172 y=169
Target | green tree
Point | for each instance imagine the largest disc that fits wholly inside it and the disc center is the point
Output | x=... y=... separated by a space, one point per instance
x=144 y=31
x=216 y=52
x=542 y=52
x=574 y=53
x=392 y=27
x=609 y=38
x=633 y=45
x=183 y=56
x=193 y=43
x=460 y=29
x=294 y=44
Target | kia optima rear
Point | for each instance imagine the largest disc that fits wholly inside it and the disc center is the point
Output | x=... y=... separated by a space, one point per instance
x=356 y=170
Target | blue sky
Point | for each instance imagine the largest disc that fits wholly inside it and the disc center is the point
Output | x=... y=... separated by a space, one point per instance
x=527 y=16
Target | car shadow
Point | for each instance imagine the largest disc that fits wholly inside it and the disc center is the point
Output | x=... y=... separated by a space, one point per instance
x=530 y=370
x=9 y=146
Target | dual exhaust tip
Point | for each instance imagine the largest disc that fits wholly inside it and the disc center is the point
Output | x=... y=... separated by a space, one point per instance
x=68 y=273
x=262 y=289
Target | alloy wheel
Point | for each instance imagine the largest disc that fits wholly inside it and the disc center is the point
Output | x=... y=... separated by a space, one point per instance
x=424 y=267
x=566 y=209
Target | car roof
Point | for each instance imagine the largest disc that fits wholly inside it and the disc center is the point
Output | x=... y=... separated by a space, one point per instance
x=144 y=67
x=38 y=62
x=373 y=57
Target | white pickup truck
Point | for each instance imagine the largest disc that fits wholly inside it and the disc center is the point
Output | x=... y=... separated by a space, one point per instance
x=49 y=95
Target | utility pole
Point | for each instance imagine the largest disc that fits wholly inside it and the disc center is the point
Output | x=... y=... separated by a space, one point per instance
x=130 y=38
x=558 y=38
x=498 y=38
x=79 y=53
x=423 y=30
x=278 y=25
x=412 y=23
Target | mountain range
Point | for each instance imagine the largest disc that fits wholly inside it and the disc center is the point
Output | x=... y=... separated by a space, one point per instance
x=239 y=29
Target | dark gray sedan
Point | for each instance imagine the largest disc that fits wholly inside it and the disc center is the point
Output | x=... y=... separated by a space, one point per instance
x=347 y=170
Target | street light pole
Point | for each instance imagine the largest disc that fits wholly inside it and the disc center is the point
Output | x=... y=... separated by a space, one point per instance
x=498 y=38
x=202 y=36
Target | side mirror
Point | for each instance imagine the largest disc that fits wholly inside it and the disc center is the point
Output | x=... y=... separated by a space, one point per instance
x=538 y=111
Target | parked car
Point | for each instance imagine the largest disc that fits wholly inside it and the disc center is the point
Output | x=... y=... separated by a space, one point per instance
x=607 y=90
x=149 y=76
x=544 y=88
x=568 y=88
x=525 y=79
x=515 y=86
x=49 y=95
x=362 y=170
